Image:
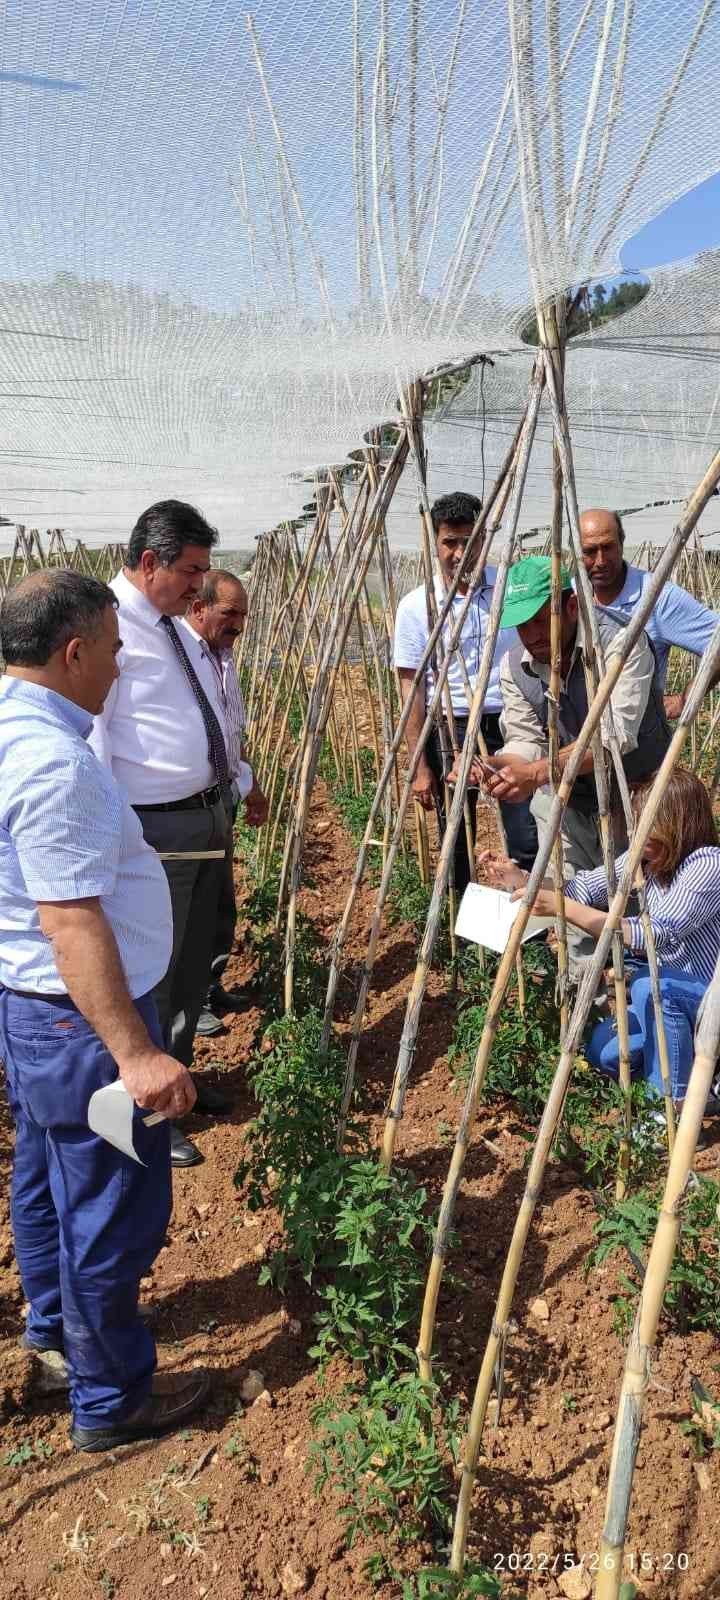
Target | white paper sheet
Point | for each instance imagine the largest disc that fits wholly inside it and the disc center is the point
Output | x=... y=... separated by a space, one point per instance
x=110 y=1114
x=486 y=916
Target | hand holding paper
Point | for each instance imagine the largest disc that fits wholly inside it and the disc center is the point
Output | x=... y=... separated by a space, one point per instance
x=110 y=1114
x=486 y=916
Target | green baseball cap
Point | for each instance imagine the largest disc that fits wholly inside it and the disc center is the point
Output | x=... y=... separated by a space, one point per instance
x=528 y=588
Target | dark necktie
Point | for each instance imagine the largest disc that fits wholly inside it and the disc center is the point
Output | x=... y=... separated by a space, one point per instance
x=216 y=743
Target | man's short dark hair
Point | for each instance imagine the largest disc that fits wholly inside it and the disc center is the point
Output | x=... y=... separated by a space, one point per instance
x=44 y=611
x=166 y=528
x=456 y=510
x=620 y=528
x=217 y=575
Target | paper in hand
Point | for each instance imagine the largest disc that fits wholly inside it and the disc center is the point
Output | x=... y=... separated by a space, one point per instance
x=486 y=917
x=110 y=1114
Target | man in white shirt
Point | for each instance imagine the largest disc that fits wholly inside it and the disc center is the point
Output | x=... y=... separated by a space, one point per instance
x=161 y=733
x=453 y=518
x=85 y=934
x=215 y=620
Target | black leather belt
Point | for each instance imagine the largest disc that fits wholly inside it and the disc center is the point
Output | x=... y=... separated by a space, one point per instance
x=207 y=798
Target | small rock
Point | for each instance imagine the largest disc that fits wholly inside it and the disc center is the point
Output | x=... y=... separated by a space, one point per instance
x=295 y=1327
x=237 y=1264
x=703 y=1476
x=171 y=1578
x=291 y=1449
x=263 y=1399
x=252 y=1385
x=202 y=1209
x=295 y=1579
x=249 y=1221
x=165 y=1552
x=603 y=1419
x=576 y=1583
x=540 y=1309
x=260 y=1252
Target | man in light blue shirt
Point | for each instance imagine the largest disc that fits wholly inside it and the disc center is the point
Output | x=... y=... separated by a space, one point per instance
x=677 y=617
x=85 y=934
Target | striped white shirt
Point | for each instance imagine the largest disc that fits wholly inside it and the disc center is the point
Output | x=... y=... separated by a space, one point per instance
x=685 y=913
x=229 y=695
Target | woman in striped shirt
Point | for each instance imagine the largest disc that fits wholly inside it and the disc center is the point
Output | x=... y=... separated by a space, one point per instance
x=681 y=863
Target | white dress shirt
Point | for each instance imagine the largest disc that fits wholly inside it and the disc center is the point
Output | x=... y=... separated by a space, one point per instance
x=233 y=709
x=151 y=733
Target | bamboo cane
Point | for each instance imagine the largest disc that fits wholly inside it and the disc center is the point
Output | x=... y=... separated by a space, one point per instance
x=693 y=509
x=414 y=1003
x=638 y=1364
x=494 y=497
x=553 y=1108
x=323 y=686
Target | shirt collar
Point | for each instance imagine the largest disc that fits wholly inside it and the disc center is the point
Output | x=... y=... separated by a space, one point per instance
x=632 y=588
x=62 y=709
x=132 y=599
x=207 y=649
x=483 y=587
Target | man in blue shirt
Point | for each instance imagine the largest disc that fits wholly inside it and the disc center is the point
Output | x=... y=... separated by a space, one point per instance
x=85 y=934
x=677 y=617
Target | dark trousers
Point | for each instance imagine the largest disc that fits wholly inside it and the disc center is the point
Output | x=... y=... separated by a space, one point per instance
x=88 y=1222
x=195 y=892
x=226 y=912
x=518 y=820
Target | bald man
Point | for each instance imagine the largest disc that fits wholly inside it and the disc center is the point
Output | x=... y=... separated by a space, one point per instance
x=216 y=618
x=677 y=617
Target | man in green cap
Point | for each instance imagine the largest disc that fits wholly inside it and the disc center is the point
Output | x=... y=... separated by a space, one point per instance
x=522 y=768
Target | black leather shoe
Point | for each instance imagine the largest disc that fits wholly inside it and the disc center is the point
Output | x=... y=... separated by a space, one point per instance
x=175 y=1397
x=240 y=999
x=208 y=1025
x=210 y=1102
x=183 y=1153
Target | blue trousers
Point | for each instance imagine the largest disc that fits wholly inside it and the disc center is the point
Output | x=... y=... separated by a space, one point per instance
x=87 y=1221
x=681 y=995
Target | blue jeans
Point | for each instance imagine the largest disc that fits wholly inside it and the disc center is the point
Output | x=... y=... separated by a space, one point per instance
x=88 y=1222
x=681 y=995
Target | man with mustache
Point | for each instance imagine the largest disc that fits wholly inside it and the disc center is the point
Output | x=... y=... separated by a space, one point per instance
x=215 y=620
x=521 y=769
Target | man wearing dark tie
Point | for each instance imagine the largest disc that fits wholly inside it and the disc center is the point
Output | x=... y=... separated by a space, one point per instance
x=162 y=735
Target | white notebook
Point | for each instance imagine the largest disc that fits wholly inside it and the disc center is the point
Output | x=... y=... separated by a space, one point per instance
x=487 y=915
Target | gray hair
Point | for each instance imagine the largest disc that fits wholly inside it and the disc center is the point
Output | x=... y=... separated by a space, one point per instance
x=44 y=611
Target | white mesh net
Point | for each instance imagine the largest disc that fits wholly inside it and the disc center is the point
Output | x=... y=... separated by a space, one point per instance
x=227 y=244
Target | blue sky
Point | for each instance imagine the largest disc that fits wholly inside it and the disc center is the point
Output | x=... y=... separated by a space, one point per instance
x=688 y=225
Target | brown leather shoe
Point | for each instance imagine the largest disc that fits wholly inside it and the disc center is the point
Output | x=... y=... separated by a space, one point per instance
x=175 y=1396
